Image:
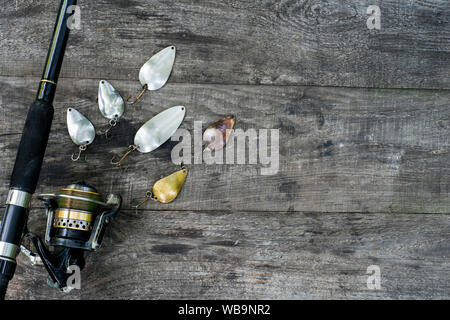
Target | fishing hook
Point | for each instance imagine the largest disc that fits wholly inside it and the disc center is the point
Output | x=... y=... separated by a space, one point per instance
x=131 y=148
x=80 y=150
x=144 y=88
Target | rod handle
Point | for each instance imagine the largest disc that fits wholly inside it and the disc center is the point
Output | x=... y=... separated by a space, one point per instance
x=32 y=147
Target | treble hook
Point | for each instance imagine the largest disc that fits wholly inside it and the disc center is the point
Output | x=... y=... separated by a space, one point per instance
x=144 y=88
x=131 y=148
x=80 y=150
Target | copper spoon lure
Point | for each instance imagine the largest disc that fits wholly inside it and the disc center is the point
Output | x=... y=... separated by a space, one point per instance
x=217 y=134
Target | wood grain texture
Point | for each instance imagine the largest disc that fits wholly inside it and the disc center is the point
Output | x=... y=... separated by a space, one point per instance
x=260 y=255
x=364 y=124
x=306 y=42
x=341 y=149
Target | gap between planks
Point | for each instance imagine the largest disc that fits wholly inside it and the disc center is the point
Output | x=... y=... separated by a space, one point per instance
x=244 y=84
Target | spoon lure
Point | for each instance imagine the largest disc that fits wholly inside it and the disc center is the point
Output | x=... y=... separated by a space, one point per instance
x=154 y=74
x=155 y=132
x=81 y=131
x=110 y=103
x=166 y=189
x=217 y=134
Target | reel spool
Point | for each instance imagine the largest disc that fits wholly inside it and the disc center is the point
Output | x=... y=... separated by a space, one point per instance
x=76 y=221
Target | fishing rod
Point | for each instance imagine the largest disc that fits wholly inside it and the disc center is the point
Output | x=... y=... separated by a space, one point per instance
x=31 y=152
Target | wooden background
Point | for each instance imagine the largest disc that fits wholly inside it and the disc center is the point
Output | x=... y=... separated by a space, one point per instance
x=364 y=123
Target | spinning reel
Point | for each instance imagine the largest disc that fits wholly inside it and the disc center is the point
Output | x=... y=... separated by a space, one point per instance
x=76 y=222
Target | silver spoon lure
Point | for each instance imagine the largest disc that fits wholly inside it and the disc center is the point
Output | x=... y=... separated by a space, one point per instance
x=81 y=131
x=155 y=132
x=154 y=74
x=110 y=104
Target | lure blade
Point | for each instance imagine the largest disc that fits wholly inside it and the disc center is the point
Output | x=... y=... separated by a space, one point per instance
x=110 y=102
x=156 y=71
x=159 y=129
x=81 y=130
x=216 y=135
x=168 y=188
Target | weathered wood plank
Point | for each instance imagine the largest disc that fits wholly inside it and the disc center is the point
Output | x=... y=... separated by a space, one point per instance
x=341 y=149
x=261 y=255
x=307 y=42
